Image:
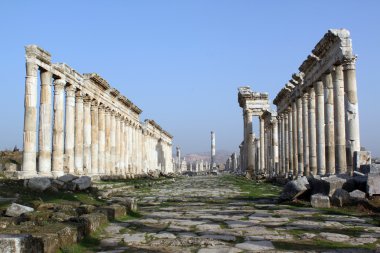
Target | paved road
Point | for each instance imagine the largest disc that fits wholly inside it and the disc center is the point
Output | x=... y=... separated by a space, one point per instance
x=205 y=214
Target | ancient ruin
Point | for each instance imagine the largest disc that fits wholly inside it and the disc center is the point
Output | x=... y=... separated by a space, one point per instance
x=96 y=130
x=315 y=129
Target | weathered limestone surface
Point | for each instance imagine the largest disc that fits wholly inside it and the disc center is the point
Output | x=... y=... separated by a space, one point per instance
x=96 y=130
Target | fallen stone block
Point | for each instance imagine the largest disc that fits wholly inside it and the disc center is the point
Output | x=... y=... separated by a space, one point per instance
x=85 y=209
x=373 y=184
x=340 y=198
x=357 y=195
x=92 y=221
x=320 y=201
x=81 y=183
x=20 y=243
x=67 y=178
x=295 y=188
x=16 y=210
x=128 y=202
x=327 y=185
x=38 y=183
x=113 y=211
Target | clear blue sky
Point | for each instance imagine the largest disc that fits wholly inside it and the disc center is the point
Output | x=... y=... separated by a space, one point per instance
x=182 y=61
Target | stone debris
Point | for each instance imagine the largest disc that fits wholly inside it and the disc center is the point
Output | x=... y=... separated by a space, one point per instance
x=340 y=198
x=15 y=210
x=320 y=201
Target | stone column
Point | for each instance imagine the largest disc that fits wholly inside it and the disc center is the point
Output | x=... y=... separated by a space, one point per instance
x=312 y=133
x=102 y=140
x=286 y=141
x=58 y=134
x=117 y=144
x=275 y=146
x=79 y=133
x=249 y=143
x=280 y=163
x=45 y=133
x=352 y=112
x=320 y=120
x=122 y=147
x=87 y=136
x=213 y=148
x=300 y=137
x=70 y=130
x=113 y=143
x=290 y=141
x=295 y=138
x=262 y=146
x=94 y=138
x=29 y=167
x=339 y=121
x=108 y=141
x=305 y=128
x=329 y=124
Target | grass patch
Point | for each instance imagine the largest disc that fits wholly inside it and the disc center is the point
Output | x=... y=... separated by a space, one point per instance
x=131 y=215
x=251 y=189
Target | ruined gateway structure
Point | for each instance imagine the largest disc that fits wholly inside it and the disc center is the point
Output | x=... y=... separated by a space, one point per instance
x=315 y=129
x=86 y=127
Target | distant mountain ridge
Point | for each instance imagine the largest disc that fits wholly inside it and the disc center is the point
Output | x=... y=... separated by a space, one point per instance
x=221 y=156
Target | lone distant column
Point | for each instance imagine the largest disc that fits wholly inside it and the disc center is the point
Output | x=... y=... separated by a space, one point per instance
x=94 y=137
x=45 y=133
x=87 y=135
x=70 y=129
x=329 y=124
x=213 y=150
x=339 y=121
x=305 y=128
x=58 y=134
x=312 y=133
x=29 y=167
x=102 y=140
x=262 y=146
x=79 y=133
x=300 y=137
x=352 y=112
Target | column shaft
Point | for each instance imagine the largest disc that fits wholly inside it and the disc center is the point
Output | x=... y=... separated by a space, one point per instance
x=262 y=146
x=286 y=141
x=70 y=130
x=94 y=138
x=108 y=141
x=102 y=140
x=305 y=128
x=295 y=138
x=58 y=134
x=329 y=124
x=113 y=143
x=339 y=121
x=45 y=131
x=87 y=136
x=29 y=166
x=79 y=133
x=312 y=133
x=290 y=141
x=300 y=137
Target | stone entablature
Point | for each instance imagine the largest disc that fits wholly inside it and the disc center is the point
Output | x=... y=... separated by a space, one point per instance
x=96 y=130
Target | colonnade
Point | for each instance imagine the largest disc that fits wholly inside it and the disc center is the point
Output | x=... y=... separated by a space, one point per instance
x=85 y=126
x=316 y=127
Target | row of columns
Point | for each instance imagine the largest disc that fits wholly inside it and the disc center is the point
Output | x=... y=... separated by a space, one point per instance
x=319 y=130
x=86 y=137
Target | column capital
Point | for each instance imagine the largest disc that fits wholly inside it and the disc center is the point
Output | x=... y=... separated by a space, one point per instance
x=87 y=100
x=79 y=94
x=94 y=104
x=59 y=83
x=349 y=64
x=70 y=91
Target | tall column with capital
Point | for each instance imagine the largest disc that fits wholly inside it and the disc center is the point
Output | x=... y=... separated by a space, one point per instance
x=113 y=143
x=102 y=140
x=320 y=120
x=78 y=133
x=312 y=133
x=45 y=133
x=300 y=137
x=29 y=163
x=286 y=141
x=329 y=123
x=351 y=111
x=58 y=134
x=280 y=164
x=108 y=141
x=305 y=129
x=87 y=136
x=262 y=146
x=94 y=138
x=295 y=138
x=339 y=121
x=290 y=141
x=70 y=129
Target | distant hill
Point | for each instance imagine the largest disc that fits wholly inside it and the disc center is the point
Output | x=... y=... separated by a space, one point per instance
x=221 y=156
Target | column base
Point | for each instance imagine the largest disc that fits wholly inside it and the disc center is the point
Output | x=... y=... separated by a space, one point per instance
x=26 y=174
x=56 y=174
x=45 y=174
